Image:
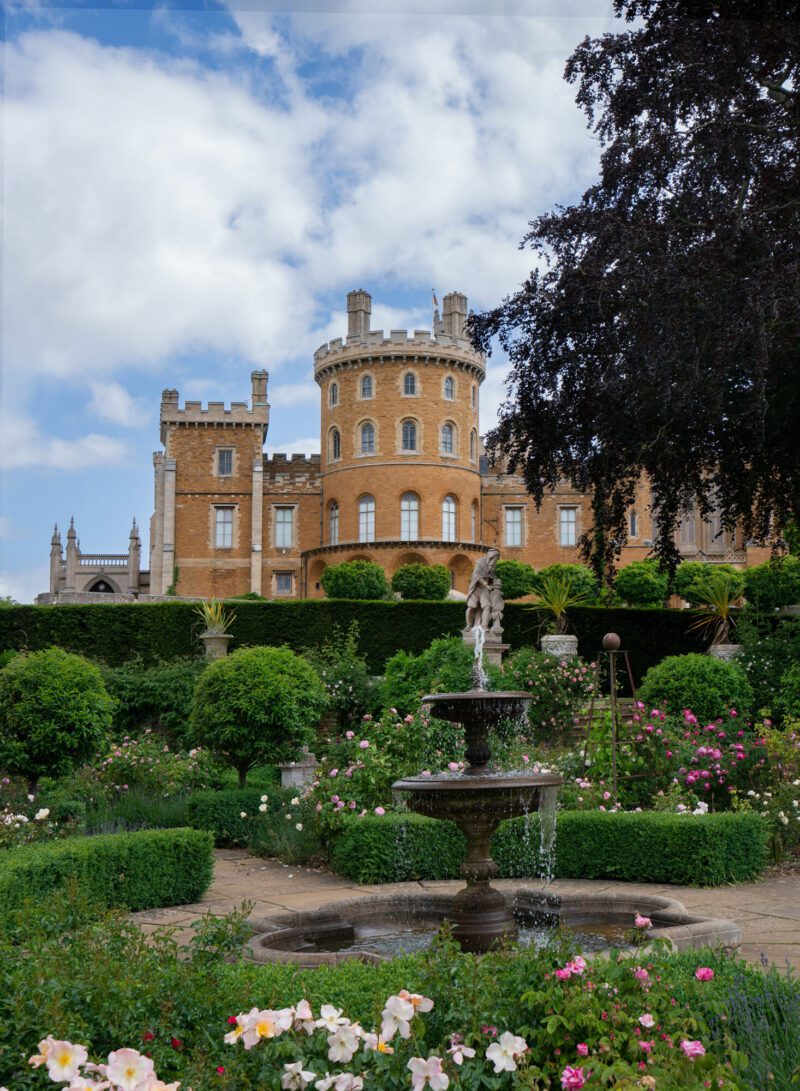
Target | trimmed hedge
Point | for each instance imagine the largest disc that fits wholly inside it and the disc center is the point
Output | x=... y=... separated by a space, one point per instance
x=164 y=631
x=143 y=870
x=221 y=812
x=648 y=847
x=396 y=848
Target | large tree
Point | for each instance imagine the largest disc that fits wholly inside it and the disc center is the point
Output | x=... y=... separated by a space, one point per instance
x=658 y=333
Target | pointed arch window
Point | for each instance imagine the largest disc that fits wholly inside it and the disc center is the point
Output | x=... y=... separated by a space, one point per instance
x=366 y=519
x=336 y=444
x=333 y=523
x=366 y=387
x=449 y=388
x=368 y=438
x=334 y=394
x=410 y=384
x=409 y=517
x=409 y=435
x=448 y=438
x=449 y=509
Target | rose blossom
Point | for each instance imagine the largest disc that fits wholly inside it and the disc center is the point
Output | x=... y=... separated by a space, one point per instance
x=704 y=973
x=572 y=1079
x=693 y=1049
x=647 y=1020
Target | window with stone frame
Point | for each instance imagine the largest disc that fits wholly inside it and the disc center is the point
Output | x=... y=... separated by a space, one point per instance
x=333 y=523
x=368 y=438
x=513 y=526
x=409 y=435
x=223 y=528
x=449 y=519
x=336 y=444
x=366 y=519
x=366 y=387
x=224 y=461
x=334 y=394
x=284 y=527
x=567 y=526
x=449 y=388
x=284 y=583
x=448 y=444
x=409 y=517
x=410 y=384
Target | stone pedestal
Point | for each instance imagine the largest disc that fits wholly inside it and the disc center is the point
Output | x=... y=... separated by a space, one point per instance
x=294 y=774
x=493 y=646
x=216 y=644
x=560 y=645
x=725 y=651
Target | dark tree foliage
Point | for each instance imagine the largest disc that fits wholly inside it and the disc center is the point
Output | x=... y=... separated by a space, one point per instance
x=658 y=333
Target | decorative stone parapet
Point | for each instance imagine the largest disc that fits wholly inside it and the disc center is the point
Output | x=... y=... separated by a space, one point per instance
x=560 y=645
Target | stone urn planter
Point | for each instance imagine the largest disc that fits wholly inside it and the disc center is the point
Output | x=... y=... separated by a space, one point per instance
x=725 y=651
x=294 y=774
x=560 y=645
x=216 y=644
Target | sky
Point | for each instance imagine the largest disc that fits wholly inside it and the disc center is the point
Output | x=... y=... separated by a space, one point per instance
x=190 y=189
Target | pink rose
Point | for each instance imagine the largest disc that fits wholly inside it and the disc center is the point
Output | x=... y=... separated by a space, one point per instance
x=364 y=744
x=641 y=974
x=647 y=1020
x=563 y=975
x=645 y=1046
x=380 y=810
x=704 y=973
x=583 y=1049
x=693 y=1049
x=572 y=1079
x=642 y=922
x=577 y=965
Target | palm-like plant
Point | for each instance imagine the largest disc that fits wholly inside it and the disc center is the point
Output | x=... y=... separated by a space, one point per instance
x=716 y=596
x=215 y=617
x=556 y=594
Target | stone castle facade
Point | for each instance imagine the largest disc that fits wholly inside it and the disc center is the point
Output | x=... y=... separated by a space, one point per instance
x=401 y=478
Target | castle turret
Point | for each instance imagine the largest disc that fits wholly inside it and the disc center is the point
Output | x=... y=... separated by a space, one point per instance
x=359 y=309
x=454 y=314
x=55 y=560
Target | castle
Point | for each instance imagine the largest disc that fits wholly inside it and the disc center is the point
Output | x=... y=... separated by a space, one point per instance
x=400 y=479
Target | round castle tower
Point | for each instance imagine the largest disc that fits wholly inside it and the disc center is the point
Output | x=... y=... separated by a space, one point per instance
x=400 y=448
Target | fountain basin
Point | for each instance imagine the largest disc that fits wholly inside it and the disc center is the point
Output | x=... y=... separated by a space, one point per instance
x=377 y=927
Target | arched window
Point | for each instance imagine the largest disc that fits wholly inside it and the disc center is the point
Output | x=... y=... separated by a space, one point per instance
x=474 y=396
x=634 y=525
x=448 y=438
x=336 y=444
x=334 y=394
x=449 y=388
x=368 y=438
x=366 y=519
x=473 y=446
x=449 y=519
x=333 y=523
x=409 y=517
x=410 y=384
x=366 y=386
x=473 y=522
x=409 y=438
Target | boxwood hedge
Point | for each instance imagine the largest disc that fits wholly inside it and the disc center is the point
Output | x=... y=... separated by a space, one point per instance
x=647 y=847
x=141 y=870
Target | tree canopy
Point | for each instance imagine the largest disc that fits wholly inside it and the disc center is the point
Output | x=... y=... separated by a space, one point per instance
x=658 y=332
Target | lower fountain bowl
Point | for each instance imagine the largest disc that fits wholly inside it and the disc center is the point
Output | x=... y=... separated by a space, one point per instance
x=378 y=927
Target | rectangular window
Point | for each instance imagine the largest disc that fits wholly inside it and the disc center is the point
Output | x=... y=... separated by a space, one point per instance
x=567 y=526
x=223 y=528
x=284 y=528
x=514 y=526
x=225 y=462
x=283 y=583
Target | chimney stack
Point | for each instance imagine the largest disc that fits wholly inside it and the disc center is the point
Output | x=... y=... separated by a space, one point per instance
x=259 y=386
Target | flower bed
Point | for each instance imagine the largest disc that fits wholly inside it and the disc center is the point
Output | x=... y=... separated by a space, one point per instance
x=136 y=870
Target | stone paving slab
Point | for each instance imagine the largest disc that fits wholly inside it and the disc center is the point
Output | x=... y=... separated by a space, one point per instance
x=768 y=913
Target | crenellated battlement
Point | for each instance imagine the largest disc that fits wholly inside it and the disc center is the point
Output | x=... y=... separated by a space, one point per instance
x=238 y=414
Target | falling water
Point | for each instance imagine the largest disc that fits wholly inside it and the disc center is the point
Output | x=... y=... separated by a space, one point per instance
x=478 y=676
x=547 y=824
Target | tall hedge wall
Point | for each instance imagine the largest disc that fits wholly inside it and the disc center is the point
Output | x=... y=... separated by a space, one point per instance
x=164 y=631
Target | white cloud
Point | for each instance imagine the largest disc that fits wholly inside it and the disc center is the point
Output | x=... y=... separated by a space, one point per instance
x=24 y=446
x=112 y=402
x=289 y=394
x=306 y=446
x=25 y=584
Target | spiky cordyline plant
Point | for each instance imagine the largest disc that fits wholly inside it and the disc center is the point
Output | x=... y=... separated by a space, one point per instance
x=716 y=596
x=215 y=617
x=556 y=594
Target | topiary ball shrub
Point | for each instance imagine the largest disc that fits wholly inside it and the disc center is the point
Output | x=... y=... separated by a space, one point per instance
x=55 y=714
x=690 y=576
x=642 y=583
x=773 y=584
x=516 y=579
x=707 y=686
x=444 y=667
x=355 y=580
x=257 y=706
x=421 y=581
x=582 y=581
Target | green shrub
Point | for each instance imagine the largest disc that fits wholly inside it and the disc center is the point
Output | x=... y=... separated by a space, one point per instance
x=788 y=697
x=54 y=714
x=135 y=870
x=642 y=583
x=345 y=675
x=559 y=689
x=581 y=579
x=229 y=815
x=688 y=573
x=444 y=667
x=257 y=706
x=708 y=686
x=158 y=696
x=768 y=651
x=397 y=848
x=136 y=810
x=354 y=580
x=516 y=579
x=422 y=581
x=645 y=847
x=773 y=584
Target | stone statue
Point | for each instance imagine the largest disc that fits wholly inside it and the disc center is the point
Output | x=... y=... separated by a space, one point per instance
x=485 y=595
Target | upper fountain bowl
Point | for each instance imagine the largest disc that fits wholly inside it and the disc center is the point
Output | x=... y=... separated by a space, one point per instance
x=478 y=705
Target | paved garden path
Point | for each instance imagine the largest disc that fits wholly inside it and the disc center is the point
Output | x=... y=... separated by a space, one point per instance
x=768 y=912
